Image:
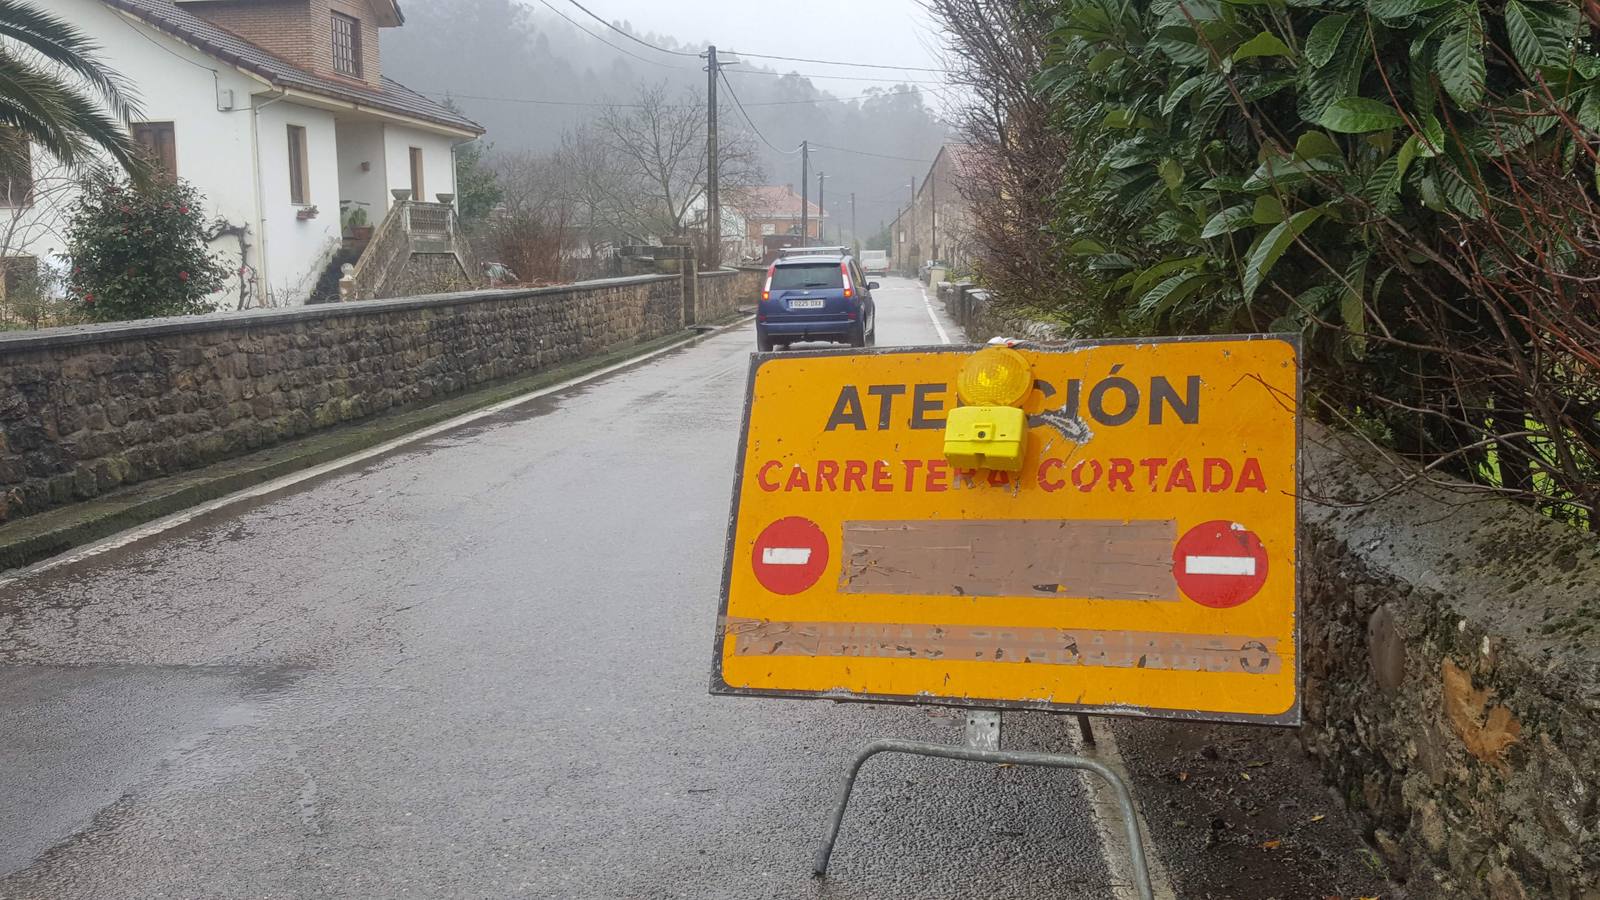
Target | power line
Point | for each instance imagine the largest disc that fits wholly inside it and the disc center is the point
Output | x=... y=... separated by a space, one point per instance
x=826 y=62
x=735 y=95
x=653 y=62
x=630 y=37
x=603 y=105
x=602 y=40
x=829 y=62
x=838 y=77
x=865 y=153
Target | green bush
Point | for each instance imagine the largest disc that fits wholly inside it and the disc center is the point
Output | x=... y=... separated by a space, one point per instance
x=136 y=253
x=1411 y=184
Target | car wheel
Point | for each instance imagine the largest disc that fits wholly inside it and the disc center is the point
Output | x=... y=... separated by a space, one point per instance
x=858 y=335
x=872 y=334
x=763 y=341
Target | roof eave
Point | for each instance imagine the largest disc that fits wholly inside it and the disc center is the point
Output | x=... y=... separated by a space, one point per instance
x=330 y=101
x=470 y=130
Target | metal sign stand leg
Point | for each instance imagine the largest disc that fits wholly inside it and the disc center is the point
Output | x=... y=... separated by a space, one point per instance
x=983 y=745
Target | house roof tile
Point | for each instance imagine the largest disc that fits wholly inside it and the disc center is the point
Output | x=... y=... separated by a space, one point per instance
x=388 y=95
x=772 y=201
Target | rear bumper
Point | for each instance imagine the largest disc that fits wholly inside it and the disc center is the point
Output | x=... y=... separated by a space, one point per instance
x=828 y=329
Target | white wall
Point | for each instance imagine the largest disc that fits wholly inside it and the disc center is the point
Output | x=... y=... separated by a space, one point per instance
x=179 y=85
x=218 y=151
x=438 y=165
x=297 y=250
x=361 y=143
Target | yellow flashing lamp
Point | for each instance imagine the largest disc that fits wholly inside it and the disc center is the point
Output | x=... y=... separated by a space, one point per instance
x=990 y=431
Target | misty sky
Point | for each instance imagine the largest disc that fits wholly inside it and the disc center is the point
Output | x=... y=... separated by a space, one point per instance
x=895 y=32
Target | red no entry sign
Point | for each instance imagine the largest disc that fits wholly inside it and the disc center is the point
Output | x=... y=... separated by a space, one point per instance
x=1219 y=564
x=790 y=555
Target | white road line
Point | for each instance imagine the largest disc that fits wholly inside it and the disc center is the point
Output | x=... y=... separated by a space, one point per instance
x=1108 y=824
x=944 y=337
x=122 y=539
x=1219 y=565
x=786 y=556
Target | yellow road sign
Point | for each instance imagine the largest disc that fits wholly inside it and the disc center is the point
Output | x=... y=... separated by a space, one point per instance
x=1143 y=561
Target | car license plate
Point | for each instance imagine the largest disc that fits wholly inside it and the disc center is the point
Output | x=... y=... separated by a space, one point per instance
x=805 y=304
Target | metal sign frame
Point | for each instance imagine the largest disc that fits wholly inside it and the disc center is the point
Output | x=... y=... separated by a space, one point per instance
x=1290 y=717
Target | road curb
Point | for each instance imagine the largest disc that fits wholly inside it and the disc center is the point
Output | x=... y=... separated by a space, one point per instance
x=38 y=537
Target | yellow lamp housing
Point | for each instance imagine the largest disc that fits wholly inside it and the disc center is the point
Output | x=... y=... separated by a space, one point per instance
x=995 y=376
x=992 y=431
x=986 y=437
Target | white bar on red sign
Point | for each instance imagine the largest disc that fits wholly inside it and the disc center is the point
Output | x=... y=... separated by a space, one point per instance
x=786 y=556
x=1219 y=565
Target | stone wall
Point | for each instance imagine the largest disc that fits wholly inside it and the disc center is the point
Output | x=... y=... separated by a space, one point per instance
x=974 y=309
x=722 y=292
x=1452 y=679
x=84 y=410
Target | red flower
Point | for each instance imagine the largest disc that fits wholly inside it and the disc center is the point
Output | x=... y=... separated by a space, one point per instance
x=88 y=299
x=184 y=210
x=183 y=276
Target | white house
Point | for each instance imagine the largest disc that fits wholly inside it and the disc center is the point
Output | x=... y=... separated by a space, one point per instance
x=279 y=113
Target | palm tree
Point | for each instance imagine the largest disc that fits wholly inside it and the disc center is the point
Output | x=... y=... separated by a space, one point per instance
x=54 y=93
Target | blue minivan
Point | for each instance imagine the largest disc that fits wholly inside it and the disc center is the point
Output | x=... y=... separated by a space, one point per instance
x=816 y=294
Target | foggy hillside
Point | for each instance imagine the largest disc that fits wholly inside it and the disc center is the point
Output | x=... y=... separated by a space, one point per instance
x=528 y=76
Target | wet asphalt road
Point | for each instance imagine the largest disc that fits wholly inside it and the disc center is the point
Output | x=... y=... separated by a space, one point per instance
x=477 y=667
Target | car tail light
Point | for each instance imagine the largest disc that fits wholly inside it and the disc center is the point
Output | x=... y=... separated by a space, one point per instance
x=766 y=289
x=849 y=289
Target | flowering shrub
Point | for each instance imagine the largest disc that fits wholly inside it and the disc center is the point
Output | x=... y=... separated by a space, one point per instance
x=139 y=253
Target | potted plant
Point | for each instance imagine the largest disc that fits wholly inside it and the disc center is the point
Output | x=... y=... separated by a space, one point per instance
x=356 y=227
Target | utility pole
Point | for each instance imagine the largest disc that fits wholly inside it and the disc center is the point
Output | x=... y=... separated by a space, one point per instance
x=822 y=211
x=911 y=224
x=713 y=202
x=805 y=193
x=855 y=239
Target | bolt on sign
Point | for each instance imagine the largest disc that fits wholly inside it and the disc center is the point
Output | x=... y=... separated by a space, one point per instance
x=1141 y=561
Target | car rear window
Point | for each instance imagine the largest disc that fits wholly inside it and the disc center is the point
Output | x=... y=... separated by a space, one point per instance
x=807 y=275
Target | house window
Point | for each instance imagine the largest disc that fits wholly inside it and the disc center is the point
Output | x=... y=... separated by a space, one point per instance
x=346 y=45
x=768 y=228
x=416 y=173
x=159 y=143
x=299 y=170
x=16 y=181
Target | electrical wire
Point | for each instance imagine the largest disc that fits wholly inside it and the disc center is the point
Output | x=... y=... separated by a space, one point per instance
x=865 y=153
x=830 y=62
x=825 y=62
x=636 y=40
x=602 y=105
x=644 y=43
x=735 y=95
x=833 y=77
x=602 y=40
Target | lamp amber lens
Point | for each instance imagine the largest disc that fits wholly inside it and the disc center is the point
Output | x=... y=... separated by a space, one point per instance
x=995 y=376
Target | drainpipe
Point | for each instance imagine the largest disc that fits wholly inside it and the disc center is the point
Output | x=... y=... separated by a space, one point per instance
x=263 y=274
